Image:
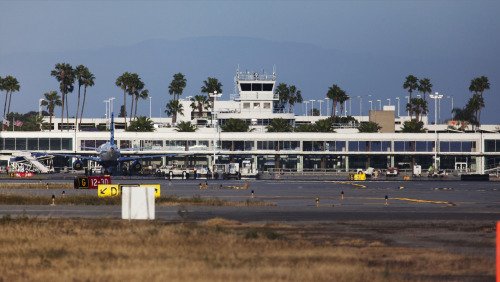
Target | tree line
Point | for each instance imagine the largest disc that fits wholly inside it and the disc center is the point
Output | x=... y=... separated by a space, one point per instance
x=288 y=96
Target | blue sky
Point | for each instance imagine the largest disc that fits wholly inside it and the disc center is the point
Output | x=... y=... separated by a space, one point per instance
x=416 y=29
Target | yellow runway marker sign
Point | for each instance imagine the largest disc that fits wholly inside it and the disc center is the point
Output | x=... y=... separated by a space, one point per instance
x=156 y=186
x=109 y=190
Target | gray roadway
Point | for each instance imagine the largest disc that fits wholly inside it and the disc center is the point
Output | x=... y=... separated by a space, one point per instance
x=296 y=200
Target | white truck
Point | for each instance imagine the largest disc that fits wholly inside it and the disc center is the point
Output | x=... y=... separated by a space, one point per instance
x=234 y=171
x=176 y=171
x=227 y=171
x=248 y=169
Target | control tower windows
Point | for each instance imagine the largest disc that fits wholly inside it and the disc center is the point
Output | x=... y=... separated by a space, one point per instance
x=246 y=86
x=256 y=86
x=267 y=105
x=246 y=105
x=256 y=105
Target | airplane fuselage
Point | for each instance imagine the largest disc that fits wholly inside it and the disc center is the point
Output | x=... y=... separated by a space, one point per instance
x=109 y=155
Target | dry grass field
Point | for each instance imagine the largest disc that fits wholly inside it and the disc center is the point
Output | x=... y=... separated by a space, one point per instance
x=34 y=249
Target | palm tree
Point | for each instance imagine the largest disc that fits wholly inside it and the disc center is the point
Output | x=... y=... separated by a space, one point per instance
x=199 y=103
x=413 y=126
x=135 y=85
x=464 y=117
x=123 y=81
x=79 y=70
x=173 y=108
x=9 y=84
x=323 y=125
x=419 y=106
x=279 y=125
x=479 y=85
x=411 y=84
x=236 y=125
x=304 y=128
x=211 y=85
x=88 y=81
x=283 y=95
x=51 y=101
x=184 y=126
x=143 y=95
x=64 y=74
x=342 y=98
x=334 y=92
x=294 y=96
x=369 y=127
x=425 y=86
x=142 y=124
x=474 y=105
x=177 y=85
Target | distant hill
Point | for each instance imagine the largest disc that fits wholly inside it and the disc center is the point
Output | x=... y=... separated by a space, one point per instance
x=312 y=69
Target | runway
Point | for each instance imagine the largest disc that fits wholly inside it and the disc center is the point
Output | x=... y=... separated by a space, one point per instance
x=296 y=200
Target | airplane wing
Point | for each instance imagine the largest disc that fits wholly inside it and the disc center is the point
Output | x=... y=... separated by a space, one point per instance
x=70 y=156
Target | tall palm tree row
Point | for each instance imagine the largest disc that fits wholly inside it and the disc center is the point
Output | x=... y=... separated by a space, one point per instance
x=411 y=84
x=9 y=84
x=177 y=85
x=65 y=75
x=210 y=86
x=174 y=108
x=135 y=86
x=294 y=96
x=478 y=85
x=335 y=93
x=123 y=81
x=51 y=101
x=88 y=81
x=85 y=78
x=199 y=103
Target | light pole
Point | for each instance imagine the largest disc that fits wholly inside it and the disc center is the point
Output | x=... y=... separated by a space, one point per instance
x=389 y=99
x=371 y=105
x=397 y=98
x=320 y=101
x=435 y=97
x=40 y=107
x=327 y=105
x=350 y=106
x=215 y=96
x=312 y=107
x=451 y=105
x=379 y=104
x=439 y=108
x=111 y=105
x=360 y=107
x=408 y=97
x=106 y=103
x=306 y=102
x=150 y=107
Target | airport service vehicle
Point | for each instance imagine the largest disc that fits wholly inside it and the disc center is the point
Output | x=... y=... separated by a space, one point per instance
x=392 y=171
x=176 y=171
x=248 y=169
x=227 y=171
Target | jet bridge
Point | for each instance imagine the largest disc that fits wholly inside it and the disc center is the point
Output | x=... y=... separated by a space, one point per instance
x=26 y=162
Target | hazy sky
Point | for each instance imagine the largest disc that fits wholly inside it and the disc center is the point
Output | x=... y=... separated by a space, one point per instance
x=420 y=28
x=417 y=29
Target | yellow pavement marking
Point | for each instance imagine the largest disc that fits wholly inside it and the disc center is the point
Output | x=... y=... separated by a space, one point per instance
x=349 y=183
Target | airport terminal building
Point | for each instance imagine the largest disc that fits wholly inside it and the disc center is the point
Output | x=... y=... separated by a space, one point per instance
x=344 y=150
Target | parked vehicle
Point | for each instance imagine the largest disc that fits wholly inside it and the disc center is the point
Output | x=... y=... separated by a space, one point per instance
x=392 y=171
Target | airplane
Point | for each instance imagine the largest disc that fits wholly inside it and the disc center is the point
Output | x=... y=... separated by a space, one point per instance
x=109 y=155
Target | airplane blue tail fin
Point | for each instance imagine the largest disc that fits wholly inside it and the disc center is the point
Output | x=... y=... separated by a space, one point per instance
x=112 y=140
